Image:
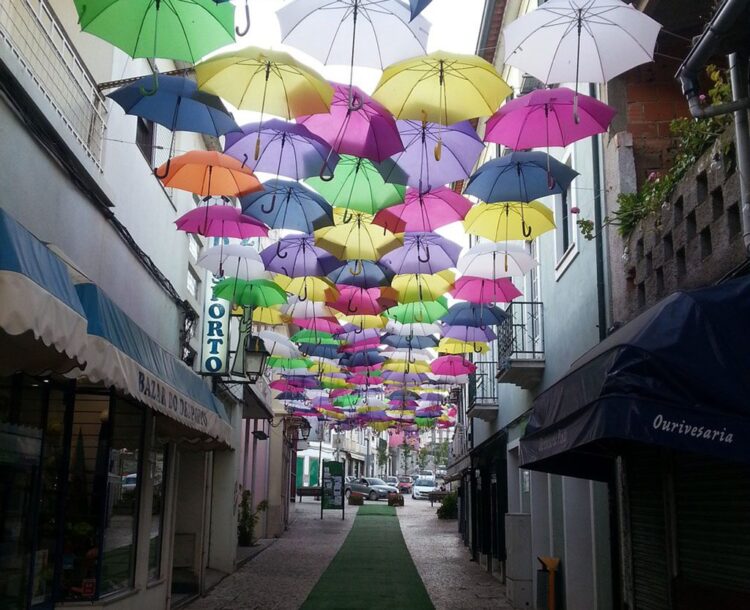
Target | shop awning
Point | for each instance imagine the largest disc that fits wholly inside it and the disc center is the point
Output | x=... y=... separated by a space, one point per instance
x=677 y=376
x=42 y=322
x=121 y=354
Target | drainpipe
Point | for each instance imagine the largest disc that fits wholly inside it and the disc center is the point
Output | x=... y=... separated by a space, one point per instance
x=739 y=76
x=601 y=298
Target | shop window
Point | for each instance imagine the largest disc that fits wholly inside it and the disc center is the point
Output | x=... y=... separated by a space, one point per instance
x=157 y=464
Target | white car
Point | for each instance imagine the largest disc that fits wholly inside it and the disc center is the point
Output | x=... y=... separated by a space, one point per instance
x=422 y=488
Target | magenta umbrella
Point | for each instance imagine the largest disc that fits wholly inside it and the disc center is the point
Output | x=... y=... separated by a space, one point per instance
x=369 y=131
x=481 y=290
x=424 y=211
x=221 y=221
x=545 y=118
x=360 y=346
x=452 y=366
x=362 y=301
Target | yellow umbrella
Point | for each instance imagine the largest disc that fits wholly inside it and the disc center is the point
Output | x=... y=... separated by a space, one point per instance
x=413 y=287
x=364 y=321
x=329 y=381
x=321 y=366
x=510 y=220
x=265 y=81
x=456 y=346
x=269 y=315
x=356 y=238
x=404 y=366
x=441 y=88
x=308 y=287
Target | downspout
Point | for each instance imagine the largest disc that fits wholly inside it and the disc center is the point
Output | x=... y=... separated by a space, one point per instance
x=601 y=301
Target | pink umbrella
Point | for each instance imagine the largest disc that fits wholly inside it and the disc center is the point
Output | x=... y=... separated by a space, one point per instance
x=452 y=366
x=364 y=301
x=368 y=131
x=424 y=211
x=339 y=392
x=221 y=221
x=326 y=325
x=481 y=290
x=360 y=379
x=360 y=346
x=545 y=118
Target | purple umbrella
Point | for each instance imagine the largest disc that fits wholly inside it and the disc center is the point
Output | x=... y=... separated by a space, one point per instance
x=431 y=396
x=369 y=131
x=405 y=378
x=281 y=148
x=422 y=253
x=468 y=334
x=353 y=334
x=298 y=256
x=433 y=155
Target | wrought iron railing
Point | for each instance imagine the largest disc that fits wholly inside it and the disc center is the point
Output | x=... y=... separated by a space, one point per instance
x=33 y=33
x=521 y=335
x=482 y=384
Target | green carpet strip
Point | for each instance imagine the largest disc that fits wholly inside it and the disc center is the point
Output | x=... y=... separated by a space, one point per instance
x=373 y=568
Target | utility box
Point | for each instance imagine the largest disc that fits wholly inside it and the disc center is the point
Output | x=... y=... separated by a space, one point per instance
x=518 y=566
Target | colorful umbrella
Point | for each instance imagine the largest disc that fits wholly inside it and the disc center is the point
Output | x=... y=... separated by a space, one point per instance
x=362 y=274
x=481 y=290
x=456 y=346
x=237 y=260
x=297 y=309
x=275 y=362
x=364 y=321
x=421 y=312
x=278 y=345
x=356 y=239
x=472 y=314
x=366 y=301
x=353 y=334
x=422 y=287
x=250 y=293
x=423 y=253
x=452 y=366
x=509 y=221
x=308 y=287
x=283 y=204
x=415 y=342
x=468 y=334
x=416 y=329
x=314 y=336
x=424 y=211
x=269 y=316
x=220 y=221
x=495 y=260
x=298 y=256
x=329 y=325
x=417 y=6
x=320 y=350
x=404 y=366
x=208 y=173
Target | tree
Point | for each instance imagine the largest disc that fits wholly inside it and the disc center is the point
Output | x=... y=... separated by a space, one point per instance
x=405 y=455
x=423 y=457
x=382 y=456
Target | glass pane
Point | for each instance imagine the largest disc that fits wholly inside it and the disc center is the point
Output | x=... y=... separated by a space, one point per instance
x=157 y=464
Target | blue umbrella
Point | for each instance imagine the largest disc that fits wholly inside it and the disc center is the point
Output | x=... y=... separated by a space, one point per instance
x=417 y=6
x=410 y=342
x=474 y=314
x=177 y=105
x=362 y=274
x=320 y=349
x=291 y=396
x=520 y=176
x=284 y=204
x=404 y=395
x=366 y=358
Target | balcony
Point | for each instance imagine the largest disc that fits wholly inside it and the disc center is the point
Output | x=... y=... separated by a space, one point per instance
x=33 y=34
x=482 y=387
x=521 y=345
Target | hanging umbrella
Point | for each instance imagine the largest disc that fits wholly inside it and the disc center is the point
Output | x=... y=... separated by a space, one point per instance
x=481 y=290
x=520 y=176
x=544 y=118
x=270 y=316
x=362 y=274
x=283 y=204
x=291 y=396
x=441 y=88
x=308 y=287
x=408 y=354
x=360 y=346
x=329 y=325
x=414 y=287
x=364 y=321
x=365 y=301
x=456 y=346
x=249 y=293
x=367 y=358
x=298 y=256
x=208 y=173
x=356 y=239
x=220 y=221
x=423 y=253
x=421 y=312
x=304 y=381
x=415 y=342
x=237 y=260
x=472 y=314
x=468 y=334
x=433 y=155
x=265 y=81
x=404 y=366
x=424 y=212
x=352 y=334
x=368 y=130
x=314 y=336
x=509 y=221
x=417 y=6
x=275 y=362
x=357 y=185
x=281 y=148
x=320 y=350
x=495 y=260
x=416 y=329
x=452 y=365
x=296 y=308
x=278 y=345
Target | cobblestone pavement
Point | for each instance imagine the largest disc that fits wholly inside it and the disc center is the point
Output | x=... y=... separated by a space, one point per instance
x=442 y=560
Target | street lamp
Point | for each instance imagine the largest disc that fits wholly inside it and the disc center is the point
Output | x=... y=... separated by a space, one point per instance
x=256 y=356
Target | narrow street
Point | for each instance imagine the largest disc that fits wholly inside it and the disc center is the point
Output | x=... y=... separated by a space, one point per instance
x=286 y=573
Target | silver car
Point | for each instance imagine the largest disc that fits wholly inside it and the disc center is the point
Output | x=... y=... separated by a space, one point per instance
x=371 y=488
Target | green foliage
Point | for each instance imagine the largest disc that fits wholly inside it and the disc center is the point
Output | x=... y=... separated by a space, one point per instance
x=449 y=507
x=248 y=518
x=694 y=137
x=422 y=457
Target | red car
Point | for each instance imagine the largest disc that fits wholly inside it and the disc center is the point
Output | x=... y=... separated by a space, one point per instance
x=404 y=485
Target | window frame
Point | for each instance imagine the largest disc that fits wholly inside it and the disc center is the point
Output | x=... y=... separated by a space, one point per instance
x=564 y=256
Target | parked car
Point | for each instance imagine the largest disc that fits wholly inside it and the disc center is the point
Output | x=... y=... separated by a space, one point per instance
x=423 y=487
x=404 y=485
x=372 y=488
x=392 y=481
x=349 y=479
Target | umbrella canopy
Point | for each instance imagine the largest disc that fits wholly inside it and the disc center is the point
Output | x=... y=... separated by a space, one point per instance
x=404 y=366
x=416 y=329
x=417 y=6
x=520 y=176
x=308 y=287
x=208 y=173
x=320 y=350
x=329 y=325
x=371 y=33
x=265 y=81
x=368 y=130
x=177 y=105
x=298 y=256
x=509 y=220
x=298 y=309
x=358 y=185
x=362 y=274
x=495 y=260
x=471 y=314
x=456 y=346
x=269 y=316
x=364 y=321
x=441 y=88
x=422 y=287
x=423 y=312
x=314 y=336
x=236 y=260
x=352 y=334
x=357 y=239
x=367 y=358
x=366 y=301
x=281 y=148
x=184 y=30
x=250 y=293
x=278 y=345
x=423 y=253
x=433 y=154
x=545 y=118
x=414 y=342
x=220 y=221
x=481 y=290
x=452 y=365
x=424 y=212
x=283 y=204
x=468 y=334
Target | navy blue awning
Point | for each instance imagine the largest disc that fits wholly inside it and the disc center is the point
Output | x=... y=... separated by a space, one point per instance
x=677 y=376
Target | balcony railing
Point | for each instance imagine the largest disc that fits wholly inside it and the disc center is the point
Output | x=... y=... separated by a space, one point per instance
x=482 y=391
x=521 y=345
x=33 y=33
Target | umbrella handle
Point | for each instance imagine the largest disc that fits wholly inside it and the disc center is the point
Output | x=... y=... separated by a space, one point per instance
x=270 y=209
x=359 y=331
x=347 y=218
x=244 y=161
x=358 y=268
x=154 y=89
x=354 y=102
x=526 y=229
x=419 y=318
x=303 y=296
x=426 y=259
x=246 y=29
x=278 y=250
x=349 y=306
x=166 y=170
x=477 y=351
x=326 y=173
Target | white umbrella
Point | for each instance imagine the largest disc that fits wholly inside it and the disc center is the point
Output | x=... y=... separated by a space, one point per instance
x=418 y=329
x=279 y=345
x=495 y=260
x=449 y=379
x=307 y=309
x=414 y=354
x=234 y=260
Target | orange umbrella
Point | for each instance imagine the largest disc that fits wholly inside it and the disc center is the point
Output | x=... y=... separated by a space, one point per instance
x=208 y=173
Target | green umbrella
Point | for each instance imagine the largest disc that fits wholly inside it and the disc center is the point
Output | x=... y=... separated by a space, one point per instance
x=357 y=185
x=183 y=30
x=250 y=293
x=314 y=336
x=347 y=400
x=275 y=362
x=421 y=311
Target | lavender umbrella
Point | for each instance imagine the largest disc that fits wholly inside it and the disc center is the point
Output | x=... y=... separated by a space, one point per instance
x=433 y=155
x=281 y=148
x=422 y=253
x=369 y=131
x=469 y=334
x=405 y=378
x=370 y=274
x=298 y=256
